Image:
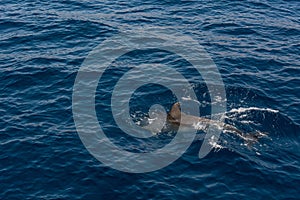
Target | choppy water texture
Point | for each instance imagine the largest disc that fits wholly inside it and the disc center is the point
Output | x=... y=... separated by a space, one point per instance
x=255 y=45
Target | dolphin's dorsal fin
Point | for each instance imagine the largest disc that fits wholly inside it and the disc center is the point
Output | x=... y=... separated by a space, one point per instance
x=175 y=112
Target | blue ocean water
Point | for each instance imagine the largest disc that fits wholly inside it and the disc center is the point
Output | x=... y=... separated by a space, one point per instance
x=254 y=44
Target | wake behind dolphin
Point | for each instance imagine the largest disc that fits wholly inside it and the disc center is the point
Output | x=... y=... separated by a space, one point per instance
x=176 y=118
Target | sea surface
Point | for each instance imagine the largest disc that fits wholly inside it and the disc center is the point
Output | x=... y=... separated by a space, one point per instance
x=254 y=44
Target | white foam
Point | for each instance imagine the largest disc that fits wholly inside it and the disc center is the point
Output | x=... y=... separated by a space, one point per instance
x=241 y=110
x=214 y=143
x=190 y=99
x=246 y=122
x=217 y=99
x=151 y=120
x=243 y=116
x=200 y=126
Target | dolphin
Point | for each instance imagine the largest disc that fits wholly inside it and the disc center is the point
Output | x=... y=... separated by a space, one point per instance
x=178 y=118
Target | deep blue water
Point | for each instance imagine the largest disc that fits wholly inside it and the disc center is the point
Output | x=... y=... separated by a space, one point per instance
x=254 y=44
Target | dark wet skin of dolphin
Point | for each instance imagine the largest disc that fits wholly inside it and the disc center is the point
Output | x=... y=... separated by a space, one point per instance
x=176 y=117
